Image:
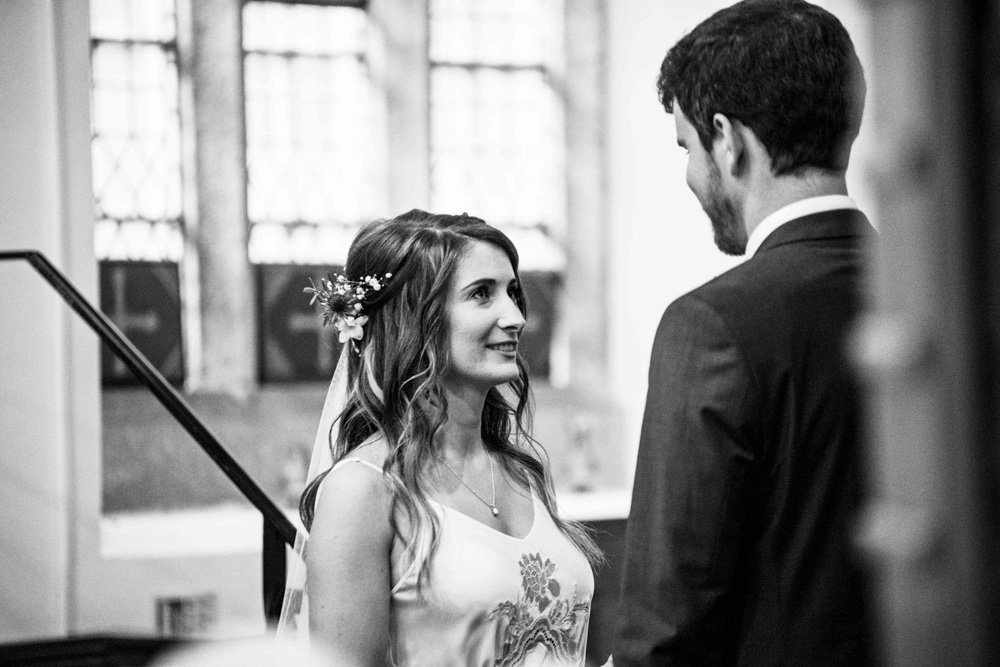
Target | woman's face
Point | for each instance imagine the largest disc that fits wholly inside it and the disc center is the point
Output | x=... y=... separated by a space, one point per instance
x=485 y=323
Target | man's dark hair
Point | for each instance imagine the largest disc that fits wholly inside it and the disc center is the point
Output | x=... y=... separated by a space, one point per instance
x=786 y=69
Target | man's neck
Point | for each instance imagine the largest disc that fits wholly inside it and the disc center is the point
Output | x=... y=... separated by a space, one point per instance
x=776 y=192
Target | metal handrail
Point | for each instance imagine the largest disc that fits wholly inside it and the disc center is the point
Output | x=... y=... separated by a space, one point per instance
x=276 y=524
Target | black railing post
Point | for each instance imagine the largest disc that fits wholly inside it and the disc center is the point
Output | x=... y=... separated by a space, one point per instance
x=274 y=557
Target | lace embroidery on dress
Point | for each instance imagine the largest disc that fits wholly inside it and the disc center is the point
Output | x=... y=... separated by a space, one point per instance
x=541 y=616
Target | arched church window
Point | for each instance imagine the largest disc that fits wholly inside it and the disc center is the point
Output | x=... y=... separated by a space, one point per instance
x=313 y=167
x=136 y=131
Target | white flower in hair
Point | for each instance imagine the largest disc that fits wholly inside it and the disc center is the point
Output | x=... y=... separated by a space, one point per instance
x=350 y=328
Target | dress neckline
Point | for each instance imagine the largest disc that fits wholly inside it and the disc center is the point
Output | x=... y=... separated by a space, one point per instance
x=491 y=529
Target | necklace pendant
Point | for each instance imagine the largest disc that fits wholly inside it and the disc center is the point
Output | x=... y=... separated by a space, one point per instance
x=495 y=511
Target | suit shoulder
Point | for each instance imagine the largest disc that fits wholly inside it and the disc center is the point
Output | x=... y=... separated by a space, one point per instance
x=729 y=306
x=714 y=295
x=698 y=313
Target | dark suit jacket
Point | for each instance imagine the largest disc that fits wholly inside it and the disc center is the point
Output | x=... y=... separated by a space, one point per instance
x=748 y=479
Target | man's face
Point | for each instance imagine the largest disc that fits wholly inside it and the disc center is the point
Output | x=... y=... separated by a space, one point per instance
x=704 y=177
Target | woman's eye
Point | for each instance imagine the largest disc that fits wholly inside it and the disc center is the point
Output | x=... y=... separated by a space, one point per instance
x=480 y=293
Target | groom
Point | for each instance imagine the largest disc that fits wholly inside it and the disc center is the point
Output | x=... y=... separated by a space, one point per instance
x=748 y=481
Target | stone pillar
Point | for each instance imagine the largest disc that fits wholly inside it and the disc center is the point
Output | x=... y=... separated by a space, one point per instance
x=399 y=69
x=227 y=293
x=587 y=240
x=928 y=348
x=49 y=382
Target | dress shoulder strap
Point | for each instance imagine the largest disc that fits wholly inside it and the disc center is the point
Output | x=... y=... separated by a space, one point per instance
x=356 y=460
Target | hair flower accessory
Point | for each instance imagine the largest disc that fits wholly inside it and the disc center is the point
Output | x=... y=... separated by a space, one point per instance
x=350 y=328
x=342 y=301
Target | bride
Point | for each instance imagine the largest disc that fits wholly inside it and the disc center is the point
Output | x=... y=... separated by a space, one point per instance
x=434 y=537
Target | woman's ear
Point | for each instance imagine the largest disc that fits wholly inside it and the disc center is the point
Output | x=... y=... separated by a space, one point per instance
x=730 y=145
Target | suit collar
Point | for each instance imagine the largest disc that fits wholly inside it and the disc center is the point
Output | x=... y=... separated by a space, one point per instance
x=793 y=211
x=838 y=223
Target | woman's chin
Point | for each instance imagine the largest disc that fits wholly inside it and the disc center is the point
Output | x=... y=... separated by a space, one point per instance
x=495 y=375
x=511 y=375
x=503 y=377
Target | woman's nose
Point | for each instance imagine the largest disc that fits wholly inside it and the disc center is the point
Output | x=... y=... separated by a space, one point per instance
x=511 y=318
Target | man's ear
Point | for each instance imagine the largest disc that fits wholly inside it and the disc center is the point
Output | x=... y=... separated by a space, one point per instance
x=730 y=144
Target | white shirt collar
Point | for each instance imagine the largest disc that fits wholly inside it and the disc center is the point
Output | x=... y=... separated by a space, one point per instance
x=792 y=211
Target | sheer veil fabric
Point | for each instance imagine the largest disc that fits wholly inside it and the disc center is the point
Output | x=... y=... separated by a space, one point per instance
x=293 y=624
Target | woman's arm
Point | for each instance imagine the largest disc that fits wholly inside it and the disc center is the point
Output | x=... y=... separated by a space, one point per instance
x=349 y=575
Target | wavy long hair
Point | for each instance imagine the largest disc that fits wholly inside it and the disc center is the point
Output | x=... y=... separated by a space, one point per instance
x=395 y=383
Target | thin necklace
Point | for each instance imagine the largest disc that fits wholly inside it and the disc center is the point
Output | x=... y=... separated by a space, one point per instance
x=492 y=505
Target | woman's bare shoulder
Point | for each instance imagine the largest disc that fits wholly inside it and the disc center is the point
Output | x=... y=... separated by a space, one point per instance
x=351 y=490
x=359 y=471
x=356 y=479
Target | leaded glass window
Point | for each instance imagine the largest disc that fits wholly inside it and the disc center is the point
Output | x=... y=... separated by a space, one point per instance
x=136 y=143
x=313 y=167
x=497 y=133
